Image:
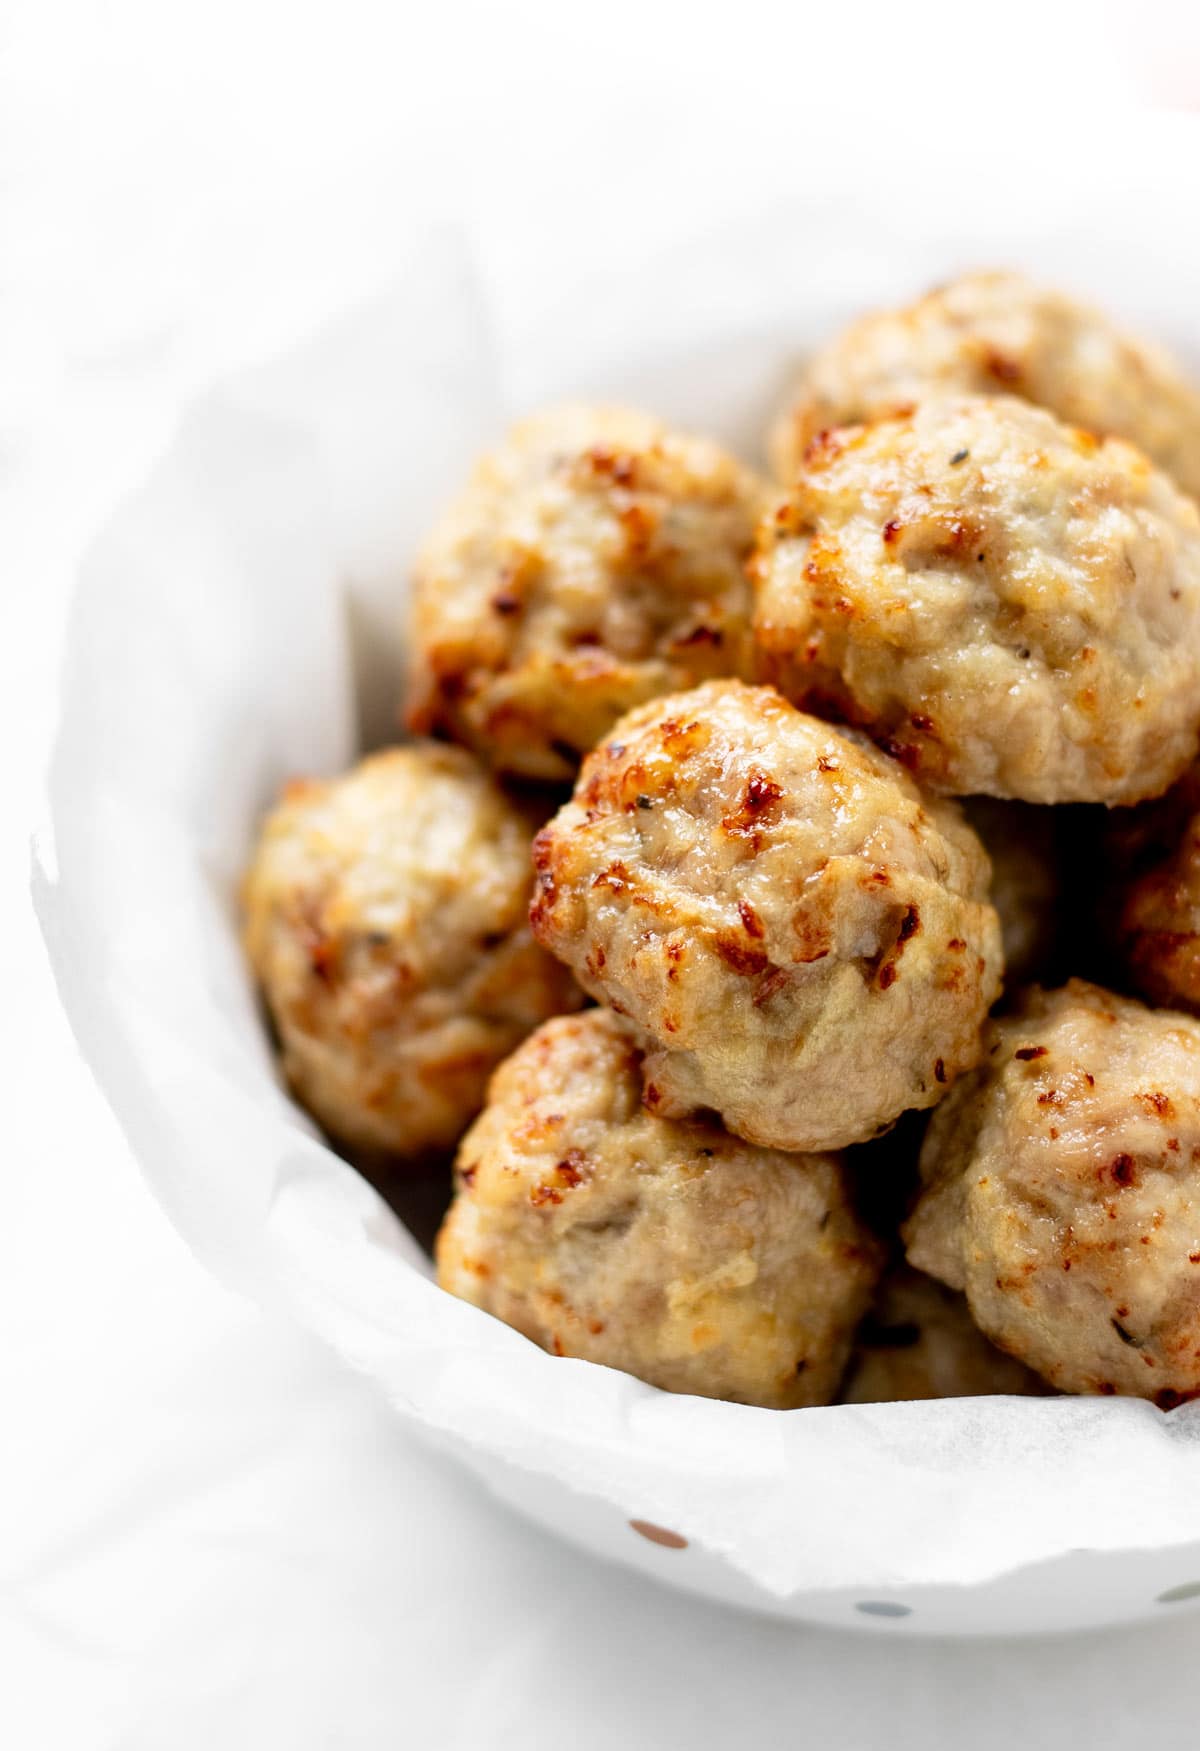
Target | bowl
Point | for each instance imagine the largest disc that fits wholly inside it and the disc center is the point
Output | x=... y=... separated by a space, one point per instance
x=240 y=621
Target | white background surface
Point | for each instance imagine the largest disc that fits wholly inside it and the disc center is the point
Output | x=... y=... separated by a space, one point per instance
x=210 y=1534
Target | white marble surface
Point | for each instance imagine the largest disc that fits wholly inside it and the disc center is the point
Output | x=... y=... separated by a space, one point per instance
x=210 y=1533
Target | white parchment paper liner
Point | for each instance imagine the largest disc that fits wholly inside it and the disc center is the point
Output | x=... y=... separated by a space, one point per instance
x=239 y=622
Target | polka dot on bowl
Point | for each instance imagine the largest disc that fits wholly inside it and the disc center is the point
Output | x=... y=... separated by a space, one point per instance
x=1172 y=1596
x=659 y=1535
x=882 y=1608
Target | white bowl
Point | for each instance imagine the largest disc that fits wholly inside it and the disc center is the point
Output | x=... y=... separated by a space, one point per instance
x=240 y=621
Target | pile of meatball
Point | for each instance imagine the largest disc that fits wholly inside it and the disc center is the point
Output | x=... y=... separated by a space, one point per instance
x=789 y=909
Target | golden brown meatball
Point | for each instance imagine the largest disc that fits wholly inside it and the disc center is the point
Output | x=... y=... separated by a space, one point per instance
x=802 y=940
x=596 y=560
x=1008 y=605
x=997 y=333
x=1153 y=907
x=386 y=923
x=1019 y=841
x=671 y=1250
x=920 y=1341
x=1062 y=1193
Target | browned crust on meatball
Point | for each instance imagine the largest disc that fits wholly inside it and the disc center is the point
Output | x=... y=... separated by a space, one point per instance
x=998 y=333
x=668 y=1249
x=1062 y=1193
x=385 y=920
x=1152 y=905
x=802 y=939
x=595 y=560
x=1009 y=606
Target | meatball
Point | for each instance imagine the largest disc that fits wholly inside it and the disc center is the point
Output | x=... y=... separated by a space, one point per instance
x=1155 y=898
x=996 y=333
x=920 y=1341
x=1020 y=842
x=385 y=919
x=1008 y=605
x=669 y=1249
x=596 y=560
x=1062 y=1193
x=803 y=942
